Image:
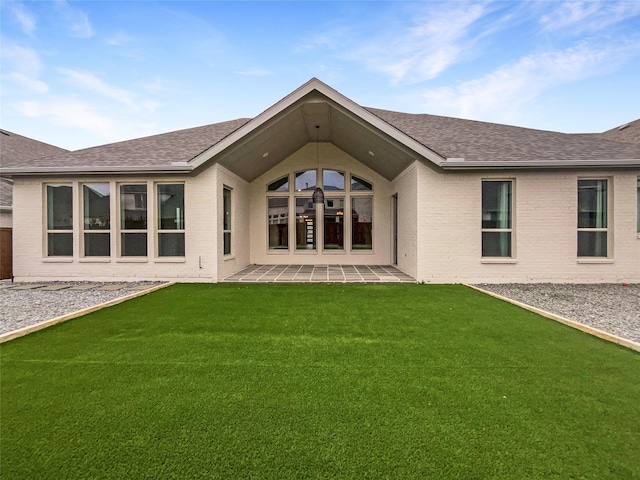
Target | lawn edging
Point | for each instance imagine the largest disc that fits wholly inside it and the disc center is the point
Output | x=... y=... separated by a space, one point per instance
x=571 y=323
x=5 y=337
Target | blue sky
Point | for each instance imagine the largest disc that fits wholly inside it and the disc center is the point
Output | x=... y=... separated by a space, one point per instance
x=80 y=74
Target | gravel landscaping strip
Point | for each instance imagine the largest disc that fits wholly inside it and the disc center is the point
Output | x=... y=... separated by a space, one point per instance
x=21 y=308
x=613 y=308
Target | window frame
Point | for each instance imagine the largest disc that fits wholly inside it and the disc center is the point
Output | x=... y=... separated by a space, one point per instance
x=227 y=220
x=58 y=231
x=84 y=231
x=122 y=230
x=607 y=216
x=511 y=254
x=157 y=221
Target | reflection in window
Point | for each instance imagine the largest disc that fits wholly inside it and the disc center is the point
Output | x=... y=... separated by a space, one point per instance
x=97 y=212
x=278 y=221
x=332 y=180
x=170 y=220
x=361 y=223
x=306 y=180
x=280 y=185
x=59 y=220
x=358 y=184
x=592 y=218
x=496 y=218
x=133 y=220
x=334 y=223
x=305 y=224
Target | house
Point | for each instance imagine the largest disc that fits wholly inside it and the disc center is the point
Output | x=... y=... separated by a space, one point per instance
x=15 y=151
x=318 y=179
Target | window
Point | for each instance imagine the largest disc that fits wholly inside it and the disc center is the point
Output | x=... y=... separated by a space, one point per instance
x=592 y=218
x=170 y=220
x=278 y=222
x=59 y=220
x=334 y=223
x=306 y=180
x=358 y=184
x=332 y=180
x=226 y=220
x=638 y=209
x=97 y=219
x=496 y=218
x=133 y=220
x=361 y=223
x=280 y=185
x=305 y=224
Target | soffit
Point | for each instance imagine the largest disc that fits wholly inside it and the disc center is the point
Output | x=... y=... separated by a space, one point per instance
x=287 y=131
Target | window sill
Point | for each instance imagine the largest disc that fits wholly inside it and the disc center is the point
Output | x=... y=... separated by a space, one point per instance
x=132 y=260
x=57 y=259
x=278 y=251
x=229 y=257
x=334 y=252
x=94 y=260
x=361 y=252
x=169 y=260
x=605 y=261
x=498 y=260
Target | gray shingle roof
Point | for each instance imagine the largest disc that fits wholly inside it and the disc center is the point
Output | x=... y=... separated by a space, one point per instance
x=482 y=141
x=629 y=132
x=156 y=150
x=16 y=150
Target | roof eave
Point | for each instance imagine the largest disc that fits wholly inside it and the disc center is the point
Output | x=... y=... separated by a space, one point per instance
x=113 y=170
x=461 y=164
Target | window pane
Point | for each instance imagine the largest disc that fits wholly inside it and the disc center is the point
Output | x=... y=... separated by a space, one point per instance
x=496 y=244
x=496 y=204
x=306 y=180
x=59 y=207
x=171 y=207
x=334 y=223
x=332 y=180
x=226 y=240
x=361 y=223
x=96 y=198
x=592 y=244
x=359 y=184
x=280 y=185
x=171 y=244
x=592 y=204
x=226 y=207
x=133 y=244
x=60 y=244
x=278 y=221
x=97 y=244
x=305 y=224
x=133 y=207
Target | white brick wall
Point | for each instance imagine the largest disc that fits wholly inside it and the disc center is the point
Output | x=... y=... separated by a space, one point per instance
x=545 y=229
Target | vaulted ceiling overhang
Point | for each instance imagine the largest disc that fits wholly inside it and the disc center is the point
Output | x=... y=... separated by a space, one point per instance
x=291 y=123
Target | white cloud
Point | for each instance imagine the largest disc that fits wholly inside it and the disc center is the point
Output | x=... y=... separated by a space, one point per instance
x=32 y=84
x=588 y=16
x=75 y=20
x=24 y=19
x=94 y=84
x=120 y=38
x=503 y=94
x=68 y=112
x=21 y=59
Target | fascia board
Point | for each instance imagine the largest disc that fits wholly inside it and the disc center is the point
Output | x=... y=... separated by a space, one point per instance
x=546 y=164
x=334 y=96
x=174 y=169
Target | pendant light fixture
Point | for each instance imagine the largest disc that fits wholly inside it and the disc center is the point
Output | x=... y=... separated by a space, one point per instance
x=318 y=194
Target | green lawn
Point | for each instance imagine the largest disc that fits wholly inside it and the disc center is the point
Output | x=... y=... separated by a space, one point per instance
x=318 y=381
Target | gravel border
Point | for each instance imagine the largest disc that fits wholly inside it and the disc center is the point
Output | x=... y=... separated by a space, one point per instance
x=23 y=308
x=611 y=307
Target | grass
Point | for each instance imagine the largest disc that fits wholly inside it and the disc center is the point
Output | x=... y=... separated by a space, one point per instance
x=318 y=381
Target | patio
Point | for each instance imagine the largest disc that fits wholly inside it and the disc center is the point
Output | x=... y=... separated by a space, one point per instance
x=320 y=273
